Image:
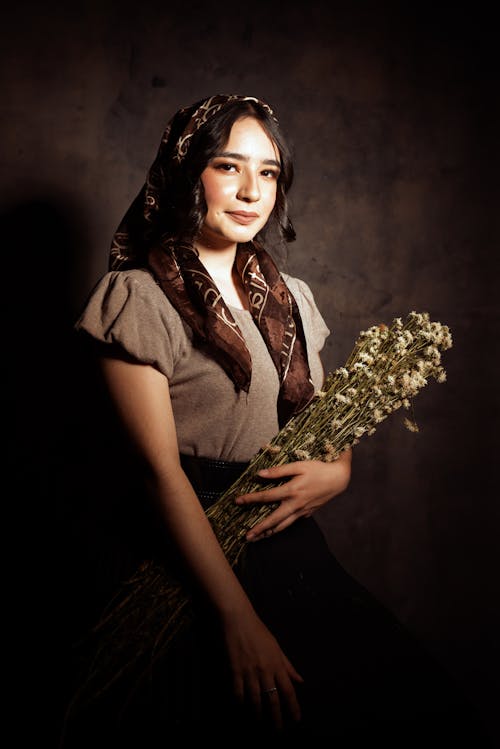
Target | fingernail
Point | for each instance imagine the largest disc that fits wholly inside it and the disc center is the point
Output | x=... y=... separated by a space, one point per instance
x=250 y=536
x=238 y=501
x=263 y=472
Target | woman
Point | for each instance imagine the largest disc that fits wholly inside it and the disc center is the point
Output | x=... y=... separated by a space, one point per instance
x=205 y=351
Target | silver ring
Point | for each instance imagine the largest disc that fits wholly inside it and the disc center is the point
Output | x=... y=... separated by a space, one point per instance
x=269 y=691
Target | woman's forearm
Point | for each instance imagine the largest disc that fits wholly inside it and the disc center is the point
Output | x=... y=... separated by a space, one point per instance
x=192 y=533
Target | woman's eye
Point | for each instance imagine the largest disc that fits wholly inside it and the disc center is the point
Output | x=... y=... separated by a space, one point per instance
x=270 y=173
x=226 y=167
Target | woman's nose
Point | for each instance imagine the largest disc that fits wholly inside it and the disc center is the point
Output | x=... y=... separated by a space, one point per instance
x=249 y=187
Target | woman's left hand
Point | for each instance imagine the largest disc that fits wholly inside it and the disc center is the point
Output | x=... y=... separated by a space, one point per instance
x=312 y=484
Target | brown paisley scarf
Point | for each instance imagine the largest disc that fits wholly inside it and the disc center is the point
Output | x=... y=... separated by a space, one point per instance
x=194 y=294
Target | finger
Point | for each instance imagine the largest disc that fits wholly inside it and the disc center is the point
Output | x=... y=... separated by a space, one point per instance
x=292 y=671
x=289 y=699
x=272 y=522
x=274 y=518
x=238 y=687
x=289 y=695
x=284 y=696
x=275 y=494
x=272 y=705
x=267 y=528
x=278 y=472
x=254 y=692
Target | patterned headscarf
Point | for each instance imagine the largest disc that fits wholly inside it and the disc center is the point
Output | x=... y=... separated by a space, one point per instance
x=190 y=288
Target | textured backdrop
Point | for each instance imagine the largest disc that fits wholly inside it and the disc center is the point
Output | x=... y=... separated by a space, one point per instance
x=392 y=117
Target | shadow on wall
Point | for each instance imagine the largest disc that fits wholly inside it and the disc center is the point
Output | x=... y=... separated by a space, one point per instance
x=41 y=247
x=42 y=243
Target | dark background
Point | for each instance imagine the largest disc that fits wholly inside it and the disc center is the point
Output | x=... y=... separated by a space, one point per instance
x=393 y=116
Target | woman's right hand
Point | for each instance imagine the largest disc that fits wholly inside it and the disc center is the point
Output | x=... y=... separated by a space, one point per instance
x=262 y=674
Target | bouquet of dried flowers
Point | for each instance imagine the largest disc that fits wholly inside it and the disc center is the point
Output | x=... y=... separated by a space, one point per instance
x=388 y=366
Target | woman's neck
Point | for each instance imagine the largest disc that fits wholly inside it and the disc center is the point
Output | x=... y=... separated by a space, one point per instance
x=220 y=262
x=221 y=267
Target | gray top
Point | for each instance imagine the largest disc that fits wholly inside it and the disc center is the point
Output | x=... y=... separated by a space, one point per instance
x=129 y=310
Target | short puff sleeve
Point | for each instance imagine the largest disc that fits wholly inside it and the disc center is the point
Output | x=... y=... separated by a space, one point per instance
x=129 y=312
x=315 y=328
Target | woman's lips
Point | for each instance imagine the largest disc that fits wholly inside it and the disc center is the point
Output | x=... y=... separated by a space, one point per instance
x=242 y=217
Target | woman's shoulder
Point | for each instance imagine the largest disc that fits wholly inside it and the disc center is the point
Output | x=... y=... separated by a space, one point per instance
x=134 y=288
x=130 y=300
x=127 y=310
x=132 y=280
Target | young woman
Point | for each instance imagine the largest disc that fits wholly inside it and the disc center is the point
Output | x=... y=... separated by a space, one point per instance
x=205 y=350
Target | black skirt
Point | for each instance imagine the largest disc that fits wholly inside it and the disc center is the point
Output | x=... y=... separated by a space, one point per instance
x=366 y=678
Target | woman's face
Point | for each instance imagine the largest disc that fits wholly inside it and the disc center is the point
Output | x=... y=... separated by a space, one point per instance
x=240 y=185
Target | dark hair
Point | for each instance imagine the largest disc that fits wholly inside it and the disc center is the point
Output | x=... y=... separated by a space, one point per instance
x=186 y=214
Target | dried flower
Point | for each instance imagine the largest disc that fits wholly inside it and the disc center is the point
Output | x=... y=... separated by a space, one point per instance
x=411 y=425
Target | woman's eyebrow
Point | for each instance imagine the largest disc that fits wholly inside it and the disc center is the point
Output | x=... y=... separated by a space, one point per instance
x=242 y=157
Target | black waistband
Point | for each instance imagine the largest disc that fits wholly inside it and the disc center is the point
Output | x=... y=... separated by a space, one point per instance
x=211 y=477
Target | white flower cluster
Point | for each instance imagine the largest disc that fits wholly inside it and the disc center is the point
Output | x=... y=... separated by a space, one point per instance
x=388 y=366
